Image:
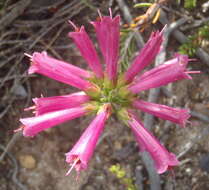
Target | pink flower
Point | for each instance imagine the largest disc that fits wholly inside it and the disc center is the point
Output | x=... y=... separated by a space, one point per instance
x=55 y=103
x=146 y=55
x=34 y=125
x=170 y=71
x=58 y=70
x=87 y=49
x=40 y=60
x=163 y=159
x=82 y=151
x=175 y=115
x=105 y=92
x=108 y=33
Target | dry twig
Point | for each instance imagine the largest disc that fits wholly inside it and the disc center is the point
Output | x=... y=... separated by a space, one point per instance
x=128 y=18
x=204 y=57
x=15 y=165
x=18 y=9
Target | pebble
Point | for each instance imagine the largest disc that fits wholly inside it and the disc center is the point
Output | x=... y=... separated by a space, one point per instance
x=204 y=162
x=27 y=161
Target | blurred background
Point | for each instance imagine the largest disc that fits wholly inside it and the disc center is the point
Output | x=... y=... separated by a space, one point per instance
x=39 y=163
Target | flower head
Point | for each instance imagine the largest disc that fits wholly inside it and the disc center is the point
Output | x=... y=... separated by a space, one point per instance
x=104 y=93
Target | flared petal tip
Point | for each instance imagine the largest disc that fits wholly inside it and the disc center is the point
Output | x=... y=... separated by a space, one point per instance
x=32 y=69
x=75 y=162
x=25 y=131
x=26 y=134
x=35 y=101
x=184 y=118
x=35 y=59
x=77 y=32
x=167 y=164
x=106 y=19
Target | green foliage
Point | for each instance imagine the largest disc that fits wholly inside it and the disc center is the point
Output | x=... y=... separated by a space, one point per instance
x=195 y=41
x=127 y=48
x=2 y=2
x=189 y=47
x=203 y=32
x=120 y=173
x=139 y=5
x=190 y=4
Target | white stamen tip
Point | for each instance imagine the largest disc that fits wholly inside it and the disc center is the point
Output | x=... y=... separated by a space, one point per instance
x=28 y=55
x=99 y=13
x=30 y=108
x=110 y=11
x=72 y=166
x=73 y=25
x=193 y=72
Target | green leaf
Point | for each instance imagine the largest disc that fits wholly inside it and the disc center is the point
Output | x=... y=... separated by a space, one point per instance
x=139 y=5
x=190 y=4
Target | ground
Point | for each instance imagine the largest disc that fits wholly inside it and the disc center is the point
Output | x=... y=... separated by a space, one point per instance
x=39 y=163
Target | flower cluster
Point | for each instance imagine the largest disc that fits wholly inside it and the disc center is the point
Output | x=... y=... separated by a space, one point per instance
x=107 y=91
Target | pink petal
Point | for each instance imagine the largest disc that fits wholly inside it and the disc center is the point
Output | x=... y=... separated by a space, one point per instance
x=176 y=115
x=34 y=125
x=108 y=34
x=146 y=55
x=171 y=71
x=43 y=58
x=55 y=103
x=163 y=159
x=179 y=60
x=87 y=50
x=84 y=148
x=58 y=70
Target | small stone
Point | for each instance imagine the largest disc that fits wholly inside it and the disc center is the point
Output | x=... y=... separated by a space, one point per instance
x=117 y=145
x=27 y=161
x=204 y=162
x=20 y=91
x=188 y=170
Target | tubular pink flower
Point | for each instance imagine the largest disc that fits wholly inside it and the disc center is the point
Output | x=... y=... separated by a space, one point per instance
x=34 y=125
x=171 y=71
x=179 y=60
x=43 y=58
x=106 y=92
x=108 y=34
x=176 y=115
x=58 y=70
x=86 y=47
x=82 y=151
x=55 y=103
x=163 y=159
x=146 y=55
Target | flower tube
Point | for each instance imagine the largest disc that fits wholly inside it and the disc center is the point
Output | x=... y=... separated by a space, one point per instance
x=146 y=55
x=49 y=104
x=86 y=47
x=34 y=125
x=166 y=73
x=43 y=65
x=163 y=159
x=175 y=115
x=108 y=33
x=83 y=150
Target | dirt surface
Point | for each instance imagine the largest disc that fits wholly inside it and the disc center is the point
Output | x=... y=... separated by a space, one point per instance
x=39 y=163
